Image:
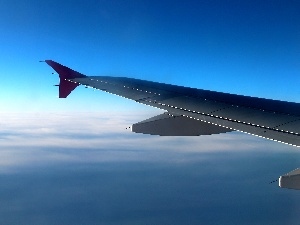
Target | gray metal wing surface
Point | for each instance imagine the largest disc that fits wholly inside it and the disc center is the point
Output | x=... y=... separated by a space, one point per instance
x=271 y=119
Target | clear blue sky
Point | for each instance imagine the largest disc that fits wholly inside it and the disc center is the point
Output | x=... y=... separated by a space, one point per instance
x=71 y=161
x=244 y=47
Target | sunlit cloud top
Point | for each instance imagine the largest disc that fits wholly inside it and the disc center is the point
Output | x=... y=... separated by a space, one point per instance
x=43 y=138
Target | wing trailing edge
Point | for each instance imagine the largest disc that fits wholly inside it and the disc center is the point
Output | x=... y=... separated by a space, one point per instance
x=65 y=75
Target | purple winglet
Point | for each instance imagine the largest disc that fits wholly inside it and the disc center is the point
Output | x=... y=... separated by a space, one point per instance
x=65 y=73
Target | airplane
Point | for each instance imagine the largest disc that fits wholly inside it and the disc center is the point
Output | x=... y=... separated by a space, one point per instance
x=195 y=112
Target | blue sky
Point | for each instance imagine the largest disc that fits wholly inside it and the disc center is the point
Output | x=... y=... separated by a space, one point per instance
x=67 y=161
x=248 y=47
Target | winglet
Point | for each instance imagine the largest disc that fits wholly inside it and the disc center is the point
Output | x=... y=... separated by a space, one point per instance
x=65 y=73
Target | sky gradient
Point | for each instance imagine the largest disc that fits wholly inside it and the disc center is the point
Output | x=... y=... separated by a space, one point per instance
x=71 y=161
x=248 y=47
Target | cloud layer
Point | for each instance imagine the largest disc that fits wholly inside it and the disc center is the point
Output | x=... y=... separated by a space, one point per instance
x=33 y=138
x=88 y=169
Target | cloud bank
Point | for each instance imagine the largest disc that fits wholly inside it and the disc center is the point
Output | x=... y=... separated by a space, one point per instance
x=35 y=138
x=88 y=169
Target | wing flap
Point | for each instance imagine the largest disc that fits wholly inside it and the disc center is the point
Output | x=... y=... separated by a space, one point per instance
x=250 y=116
x=268 y=133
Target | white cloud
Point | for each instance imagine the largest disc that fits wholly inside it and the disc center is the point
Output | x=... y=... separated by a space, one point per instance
x=51 y=137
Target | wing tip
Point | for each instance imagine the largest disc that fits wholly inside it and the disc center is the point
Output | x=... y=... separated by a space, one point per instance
x=65 y=74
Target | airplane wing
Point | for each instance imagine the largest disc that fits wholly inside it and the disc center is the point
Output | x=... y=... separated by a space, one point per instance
x=218 y=112
x=191 y=111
